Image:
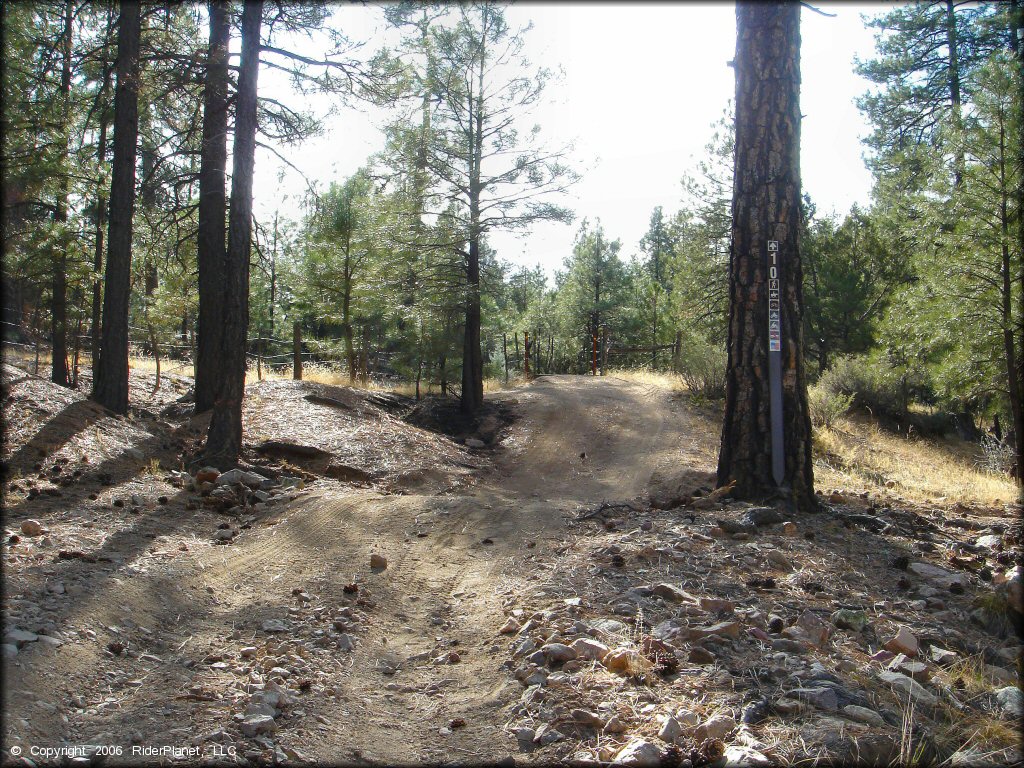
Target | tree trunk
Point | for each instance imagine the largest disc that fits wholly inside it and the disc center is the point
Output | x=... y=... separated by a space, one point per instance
x=346 y=329
x=472 y=357
x=766 y=206
x=110 y=382
x=1017 y=34
x=297 y=351
x=504 y=353
x=1006 y=314
x=212 y=205
x=955 y=99
x=75 y=370
x=224 y=440
x=97 y=260
x=59 y=373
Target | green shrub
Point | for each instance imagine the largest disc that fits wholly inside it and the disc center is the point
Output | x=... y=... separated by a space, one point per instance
x=870 y=383
x=702 y=367
x=827 y=406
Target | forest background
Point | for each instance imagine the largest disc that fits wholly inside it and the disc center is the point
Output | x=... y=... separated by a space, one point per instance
x=913 y=298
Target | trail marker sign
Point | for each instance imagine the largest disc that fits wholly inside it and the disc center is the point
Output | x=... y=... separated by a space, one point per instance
x=775 y=359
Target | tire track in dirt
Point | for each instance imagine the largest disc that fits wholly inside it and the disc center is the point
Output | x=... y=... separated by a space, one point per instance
x=388 y=701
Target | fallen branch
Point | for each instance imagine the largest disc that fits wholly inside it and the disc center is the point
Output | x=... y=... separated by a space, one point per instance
x=604 y=507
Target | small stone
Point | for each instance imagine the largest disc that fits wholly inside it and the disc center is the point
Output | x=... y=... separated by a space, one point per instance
x=19 y=637
x=761 y=516
x=863 y=715
x=257 y=708
x=817 y=631
x=786 y=706
x=626 y=661
x=615 y=725
x=855 y=621
x=738 y=755
x=207 y=475
x=882 y=656
x=249 y=479
x=10 y=650
x=558 y=653
x=524 y=735
x=718 y=727
x=904 y=642
x=378 y=562
x=1011 y=701
x=274 y=625
x=723 y=629
x=821 y=698
x=472 y=442
x=670 y=730
x=32 y=528
x=610 y=627
x=687 y=717
x=789 y=529
x=775 y=623
x=586 y=717
x=670 y=592
x=248 y=652
x=940 y=577
x=913 y=669
x=547 y=735
x=586 y=648
x=253 y=726
x=716 y=605
x=638 y=752
x=908 y=688
x=700 y=655
x=510 y=627
x=779 y=560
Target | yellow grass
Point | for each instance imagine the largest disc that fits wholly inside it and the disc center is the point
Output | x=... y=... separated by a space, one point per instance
x=326 y=374
x=858 y=455
x=647 y=377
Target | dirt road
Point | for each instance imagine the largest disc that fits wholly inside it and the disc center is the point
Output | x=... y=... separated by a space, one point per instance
x=424 y=682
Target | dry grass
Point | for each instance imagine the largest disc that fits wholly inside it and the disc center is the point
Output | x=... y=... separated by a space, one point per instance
x=858 y=455
x=327 y=374
x=647 y=377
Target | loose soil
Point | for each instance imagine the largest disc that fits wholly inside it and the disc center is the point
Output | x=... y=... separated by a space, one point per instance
x=152 y=612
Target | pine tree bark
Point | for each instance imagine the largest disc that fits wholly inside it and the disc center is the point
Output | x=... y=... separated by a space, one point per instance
x=1017 y=33
x=766 y=206
x=224 y=439
x=59 y=373
x=212 y=206
x=110 y=383
x=472 y=357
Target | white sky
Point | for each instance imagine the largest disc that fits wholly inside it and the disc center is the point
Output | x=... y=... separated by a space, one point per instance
x=642 y=86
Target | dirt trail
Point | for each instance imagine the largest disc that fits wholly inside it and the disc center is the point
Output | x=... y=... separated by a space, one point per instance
x=427 y=653
x=442 y=591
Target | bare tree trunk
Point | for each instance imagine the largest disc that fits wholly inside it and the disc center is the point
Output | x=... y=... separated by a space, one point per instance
x=59 y=373
x=110 y=382
x=766 y=207
x=297 y=351
x=472 y=357
x=224 y=440
x=78 y=350
x=504 y=353
x=1017 y=46
x=212 y=207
